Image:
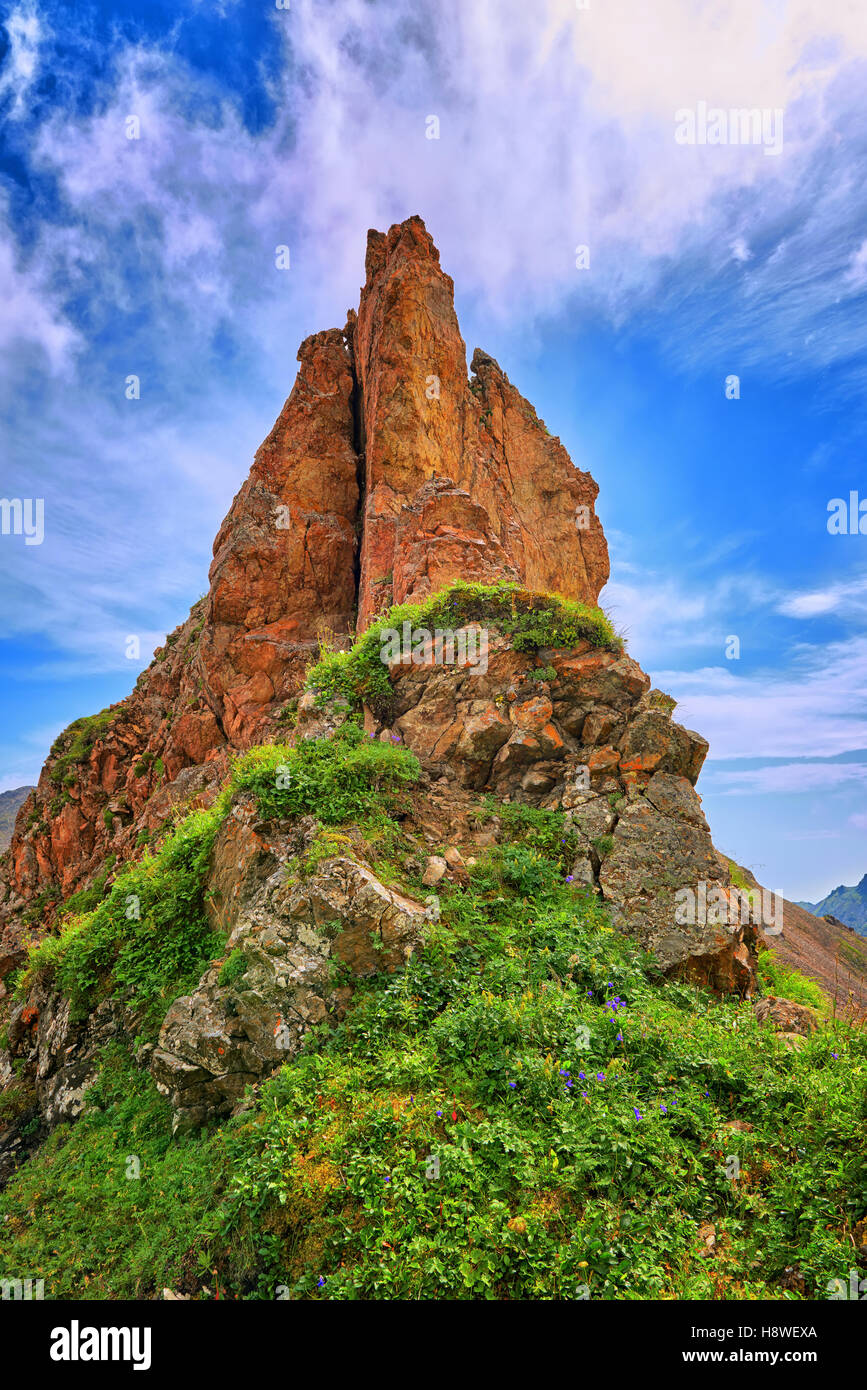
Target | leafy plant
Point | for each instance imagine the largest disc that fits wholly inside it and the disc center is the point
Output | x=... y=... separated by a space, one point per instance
x=345 y=776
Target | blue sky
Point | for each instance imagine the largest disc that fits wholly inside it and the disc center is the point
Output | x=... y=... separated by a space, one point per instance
x=260 y=127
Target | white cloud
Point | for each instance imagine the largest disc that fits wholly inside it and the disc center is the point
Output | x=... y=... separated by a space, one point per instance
x=815 y=709
x=25 y=33
x=857 y=271
x=845 y=598
x=31 y=314
x=556 y=127
x=786 y=779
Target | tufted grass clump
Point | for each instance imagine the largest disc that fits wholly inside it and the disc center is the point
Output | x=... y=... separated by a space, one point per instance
x=779 y=979
x=233 y=967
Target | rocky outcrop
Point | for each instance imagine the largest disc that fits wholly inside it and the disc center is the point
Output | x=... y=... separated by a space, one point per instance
x=283 y=573
x=388 y=473
x=9 y=804
x=421 y=420
x=286 y=936
x=109 y=783
x=580 y=730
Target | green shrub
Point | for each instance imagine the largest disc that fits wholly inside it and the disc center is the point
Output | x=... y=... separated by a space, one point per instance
x=149 y=939
x=86 y=899
x=549 y=832
x=346 y=776
x=738 y=877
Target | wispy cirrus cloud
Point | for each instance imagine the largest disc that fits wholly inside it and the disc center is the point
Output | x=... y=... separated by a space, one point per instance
x=787 y=779
x=814 y=708
x=845 y=597
x=24 y=32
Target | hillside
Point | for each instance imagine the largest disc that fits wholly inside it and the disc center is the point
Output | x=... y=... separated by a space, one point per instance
x=9 y=804
x=376 y=946
x=849 y=905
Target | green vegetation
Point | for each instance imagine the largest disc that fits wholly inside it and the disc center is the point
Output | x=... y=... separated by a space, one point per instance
x=86 y=899
x=738 y=877
x=74 y=745
x=233 y=967
x=40 y=903
x=94 y=1232
x=526 y=1111
x=149 y=939
x=544 y=673
x=548 y=832
x=531 y=621
x=778 y=979
x=523 y=1112
x=345 y=777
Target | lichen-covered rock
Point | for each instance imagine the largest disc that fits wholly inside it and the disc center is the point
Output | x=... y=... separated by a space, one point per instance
x=286 y=935
x=661 y=845
x=785 y=1016
x=643 y=836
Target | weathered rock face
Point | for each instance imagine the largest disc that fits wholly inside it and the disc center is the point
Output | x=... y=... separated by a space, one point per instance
x=422 y=421
x=581 y=730
x=110 y=783
x=223 y=1037
x=526 y=728
x=284 y=560
x=60 y=1057
x=387 y=474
